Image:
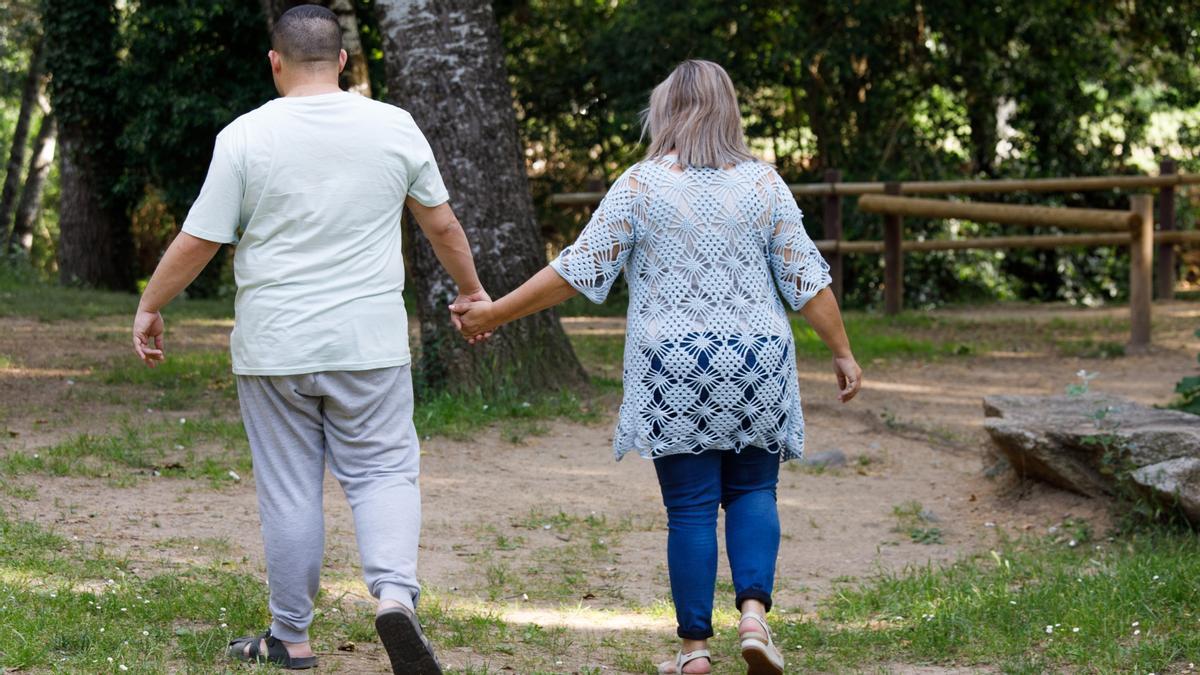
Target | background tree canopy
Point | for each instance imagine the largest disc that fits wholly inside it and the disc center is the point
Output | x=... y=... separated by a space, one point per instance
x=886 y=89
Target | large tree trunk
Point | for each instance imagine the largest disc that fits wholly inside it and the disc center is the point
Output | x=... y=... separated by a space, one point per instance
x=35 y=183
x=16 y=156
x=94 y=242
x=446 y=66
x=355 y=77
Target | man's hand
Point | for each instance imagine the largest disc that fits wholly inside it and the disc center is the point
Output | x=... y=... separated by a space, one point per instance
x=475 y=320
x=148 y=337
x=849 y=377
x=464 y=300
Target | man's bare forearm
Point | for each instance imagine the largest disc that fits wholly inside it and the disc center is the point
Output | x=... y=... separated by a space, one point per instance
x=445 y=234
x=180 y=265
x=823 y=315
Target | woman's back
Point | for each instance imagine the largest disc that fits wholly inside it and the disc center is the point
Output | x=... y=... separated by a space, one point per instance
x=709 y=358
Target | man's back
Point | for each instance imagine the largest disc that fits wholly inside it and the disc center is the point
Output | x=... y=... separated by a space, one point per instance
x=312 y=189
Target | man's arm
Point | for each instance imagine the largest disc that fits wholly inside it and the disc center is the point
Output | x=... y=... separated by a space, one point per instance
x=180 y=265
x=453 y=251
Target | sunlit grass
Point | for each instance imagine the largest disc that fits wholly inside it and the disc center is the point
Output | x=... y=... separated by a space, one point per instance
x=24 y=295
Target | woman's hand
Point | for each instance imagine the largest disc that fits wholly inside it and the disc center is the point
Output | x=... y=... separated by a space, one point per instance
x=464 y=299
x=849 y=377
x=475 y=320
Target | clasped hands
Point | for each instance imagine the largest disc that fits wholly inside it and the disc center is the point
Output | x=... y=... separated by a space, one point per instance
x=472 y=315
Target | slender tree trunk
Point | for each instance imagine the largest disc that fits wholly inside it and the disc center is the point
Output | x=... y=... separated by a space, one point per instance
x=355 y=77
x=446 y=66
x=16 y=155
x=35 y=183
x=94 y=246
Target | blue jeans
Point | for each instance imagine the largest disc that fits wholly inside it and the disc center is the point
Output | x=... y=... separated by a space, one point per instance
x=692 y=488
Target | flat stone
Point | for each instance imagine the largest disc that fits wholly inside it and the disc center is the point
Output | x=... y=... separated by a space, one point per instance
x=831 y=457
x=1079 y=443
x=1173 y=482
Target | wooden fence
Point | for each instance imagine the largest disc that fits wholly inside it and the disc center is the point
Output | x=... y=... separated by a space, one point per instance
x=1107 y=227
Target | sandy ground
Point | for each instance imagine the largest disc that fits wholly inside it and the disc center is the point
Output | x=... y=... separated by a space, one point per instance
x=914 y=434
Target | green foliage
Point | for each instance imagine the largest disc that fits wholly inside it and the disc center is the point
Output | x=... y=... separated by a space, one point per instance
x=1188 y=389
x=882 y=90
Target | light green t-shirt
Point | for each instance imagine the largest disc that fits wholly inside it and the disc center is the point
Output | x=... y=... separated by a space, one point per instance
x=311 y=189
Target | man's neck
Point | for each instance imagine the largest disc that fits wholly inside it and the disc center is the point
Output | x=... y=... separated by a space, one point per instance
x=312 y=89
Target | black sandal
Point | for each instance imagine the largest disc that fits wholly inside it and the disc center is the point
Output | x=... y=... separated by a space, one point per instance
x=406 y=645
x=277 y=652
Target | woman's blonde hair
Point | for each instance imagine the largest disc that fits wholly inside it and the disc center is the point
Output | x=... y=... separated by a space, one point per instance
x=694 y=112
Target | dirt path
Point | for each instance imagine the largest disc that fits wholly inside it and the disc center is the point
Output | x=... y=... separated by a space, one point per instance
x=493 y=532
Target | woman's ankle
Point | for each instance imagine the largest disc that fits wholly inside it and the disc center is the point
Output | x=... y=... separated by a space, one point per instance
x=689 y=646
x=753 y=607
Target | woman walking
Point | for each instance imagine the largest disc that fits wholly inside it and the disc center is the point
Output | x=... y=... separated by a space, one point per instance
x=710 y=239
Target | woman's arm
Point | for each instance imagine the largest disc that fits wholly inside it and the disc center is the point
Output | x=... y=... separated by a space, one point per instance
x=823 y=315
x=544 y=290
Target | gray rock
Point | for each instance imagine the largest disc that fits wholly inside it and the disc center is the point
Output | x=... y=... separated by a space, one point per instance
x=830 y=458
x=1080 y=442
x=1174 y=482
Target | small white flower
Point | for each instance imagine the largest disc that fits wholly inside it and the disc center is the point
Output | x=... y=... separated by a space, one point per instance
x=110 y=660
x=1049 y=630
x=1072 y=543
x=123 y=667
x=224 y=625
x=145 y=633
x=54 y=595
x=102 y=630
x=183 y=420
x=1135 y=624
x=1137 y=632
x=1012 y=602
x=222 y=609
x=124 y=609
x=1075 y=629
x=1155 y=577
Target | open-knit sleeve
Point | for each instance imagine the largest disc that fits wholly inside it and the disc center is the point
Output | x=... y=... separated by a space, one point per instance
x=596 y=259
x=799 y=268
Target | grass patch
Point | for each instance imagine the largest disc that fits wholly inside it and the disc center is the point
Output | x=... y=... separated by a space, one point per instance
x=75 y=609
x=182 y=380
x=458 y=416
x=879 y=337
x=168 y=449
x=1132 y=605
x=915 y=521
x=1090 y=348
x=23 y=295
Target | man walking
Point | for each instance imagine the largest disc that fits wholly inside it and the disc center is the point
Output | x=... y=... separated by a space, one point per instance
x=311 y=187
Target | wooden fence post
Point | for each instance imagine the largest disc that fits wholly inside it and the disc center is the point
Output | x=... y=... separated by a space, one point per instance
x=1141 y=271
x=893 y=258
x=1166 y=221
x=832 y=221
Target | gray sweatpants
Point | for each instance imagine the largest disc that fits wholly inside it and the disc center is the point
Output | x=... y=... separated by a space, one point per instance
x=361 y=421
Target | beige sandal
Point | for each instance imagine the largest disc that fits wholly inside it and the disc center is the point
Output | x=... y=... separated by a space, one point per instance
x=681 y=660
x=758 y=649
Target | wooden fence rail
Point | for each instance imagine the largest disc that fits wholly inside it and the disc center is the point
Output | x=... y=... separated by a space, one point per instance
x=1133 y=228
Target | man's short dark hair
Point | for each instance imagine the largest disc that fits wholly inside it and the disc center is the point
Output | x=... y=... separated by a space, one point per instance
x=307 y=34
